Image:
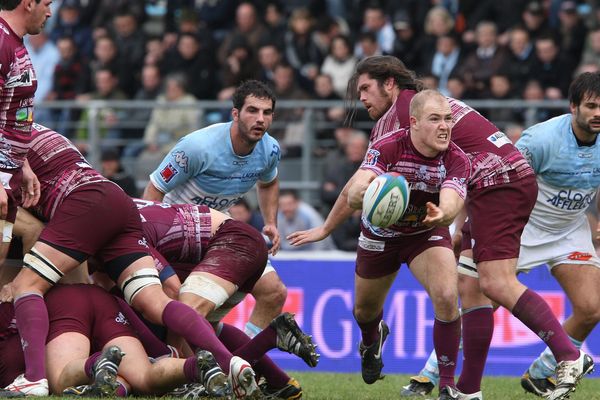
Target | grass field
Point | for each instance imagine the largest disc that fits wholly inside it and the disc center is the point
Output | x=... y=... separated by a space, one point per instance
x=330 y=386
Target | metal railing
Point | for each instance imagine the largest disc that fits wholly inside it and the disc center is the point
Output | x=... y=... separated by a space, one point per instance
x=302 y=173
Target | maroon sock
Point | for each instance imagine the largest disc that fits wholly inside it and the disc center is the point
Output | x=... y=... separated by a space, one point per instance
x=535 y=313
x=32 y=322
x=234 y=339
x=258 y=345
x=446 y=339
x=121 y=390
x=477 y=332
x=89 y=364
x=194 y=328
x=154 y=346
x=370 y=330
x=190 y=369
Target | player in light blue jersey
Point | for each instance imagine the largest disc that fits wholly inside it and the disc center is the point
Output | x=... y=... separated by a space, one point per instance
x=565 y=155
x=217 y=165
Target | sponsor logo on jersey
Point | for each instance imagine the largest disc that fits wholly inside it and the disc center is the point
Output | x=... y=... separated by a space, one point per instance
x=168 y=172
x=120 y=318
x=24 y=114
x=371 y=157
x=370 y=244
x=499 y=139
x=579 y=256
x=435 y=238
x=25 y=78
x=182 y=160
x=570 y=200
x=585 y=155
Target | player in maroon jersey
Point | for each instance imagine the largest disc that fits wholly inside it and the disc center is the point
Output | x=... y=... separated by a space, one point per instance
x=220 y=260
x=437 y=172
x=17 y=89
x=84 y=320
x=502 y=193
x=89 y=215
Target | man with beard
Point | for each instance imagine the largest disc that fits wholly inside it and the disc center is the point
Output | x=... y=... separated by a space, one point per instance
x=217 y=165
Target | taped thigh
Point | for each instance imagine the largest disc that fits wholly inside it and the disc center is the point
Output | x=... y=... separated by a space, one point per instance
x=205 y=287
x=38 y=263
x=467 y=266
x=219 y=313
x=137 y=281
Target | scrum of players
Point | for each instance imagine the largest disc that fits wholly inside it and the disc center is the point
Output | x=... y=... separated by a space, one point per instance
x=171 y=272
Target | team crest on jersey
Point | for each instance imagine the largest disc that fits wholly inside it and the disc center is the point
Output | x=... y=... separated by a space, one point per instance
x=182 y=160
x=371 y=157
x=168 y=172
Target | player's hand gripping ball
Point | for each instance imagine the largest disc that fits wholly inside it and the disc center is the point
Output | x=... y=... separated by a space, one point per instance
x=386 y=199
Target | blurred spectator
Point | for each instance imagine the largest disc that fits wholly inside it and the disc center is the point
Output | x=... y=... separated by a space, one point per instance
x=109 y=118
x=172 y=118
x=535 y=92
x=44 y=57
x=242 y=211
x=444 y=61
x=367 y=42
x=106 y=10
x=67 y=84
x=457 y=88
x=376 y=21
x=553 y=69
x=106 y=55
x=572 y=30
x=69 y=23
x=247 y=26
x=155 y=51
x=405 y=44
x=290 y=127
x=149 y=91
x=486 y=60
x=269 y=56
x=591 y=53
x=339 y=64
x=193 y=58
x=438 y=22
x=241 y=65
x=326 y=29
x=301 y=49
x=131 y=45
x=345 y=236
x=500 y=89
x=535 y=19
x=332 y=116
x=339 y=168
x=275 y=22
x=430 y=81
x=297 y=215
x=215 y=16
x=521 y=57
x=113 y=170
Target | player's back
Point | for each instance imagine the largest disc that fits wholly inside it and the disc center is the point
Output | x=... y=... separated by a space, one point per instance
x=17 y=88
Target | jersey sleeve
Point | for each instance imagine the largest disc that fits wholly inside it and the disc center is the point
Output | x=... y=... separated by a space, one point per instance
x=187 y=159
x=533 y=147
x=458 y=171
x=273 y=156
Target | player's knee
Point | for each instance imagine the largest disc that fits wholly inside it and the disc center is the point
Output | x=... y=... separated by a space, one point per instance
x=588 y=313
x=42 y=266
x=270 y=292
x=365 y=313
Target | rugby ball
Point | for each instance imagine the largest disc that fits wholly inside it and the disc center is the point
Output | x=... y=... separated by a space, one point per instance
x=386 y=199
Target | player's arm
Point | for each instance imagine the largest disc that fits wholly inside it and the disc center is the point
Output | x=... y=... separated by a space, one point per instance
x=30 y=186
x=443 y=214
x=356 y=191
x=152 y=193
x=268 y=198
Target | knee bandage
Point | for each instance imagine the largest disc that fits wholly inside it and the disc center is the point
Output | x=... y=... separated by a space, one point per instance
x=205 y=287
x=135 y=282
x=467 y=266
x=7 y=230
x=39 y=264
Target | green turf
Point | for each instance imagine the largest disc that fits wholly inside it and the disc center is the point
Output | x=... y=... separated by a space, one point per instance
x=330 y=386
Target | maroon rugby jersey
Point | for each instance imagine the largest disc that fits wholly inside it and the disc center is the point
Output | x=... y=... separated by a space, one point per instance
x=494 y=159
x=17 y=88
x=426 y=177
x=60 y=168
x=177 y=232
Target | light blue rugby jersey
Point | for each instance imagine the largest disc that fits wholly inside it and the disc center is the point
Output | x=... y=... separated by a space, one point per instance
x=568 y=175
x=203 y=169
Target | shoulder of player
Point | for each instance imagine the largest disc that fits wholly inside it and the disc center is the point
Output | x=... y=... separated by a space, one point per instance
x=553 y=127
x=391 y=140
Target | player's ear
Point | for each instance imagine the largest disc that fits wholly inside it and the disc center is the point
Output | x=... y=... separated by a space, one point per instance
x=235 y=114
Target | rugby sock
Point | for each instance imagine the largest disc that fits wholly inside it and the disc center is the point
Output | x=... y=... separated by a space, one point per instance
x=535 y=313
x=477 y=330
x=259 y=345
x=446 y=337
x=251 y=330
x=33 y=324
x=234 y=339
x=121 y=390
x=194 y=328
x=190 y=369
x=153 y=345
x=370 y=330
x=430 y=370
x=89 y=364
x=545 y=365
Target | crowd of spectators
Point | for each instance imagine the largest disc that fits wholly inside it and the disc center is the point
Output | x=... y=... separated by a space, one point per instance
x=178 y=51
